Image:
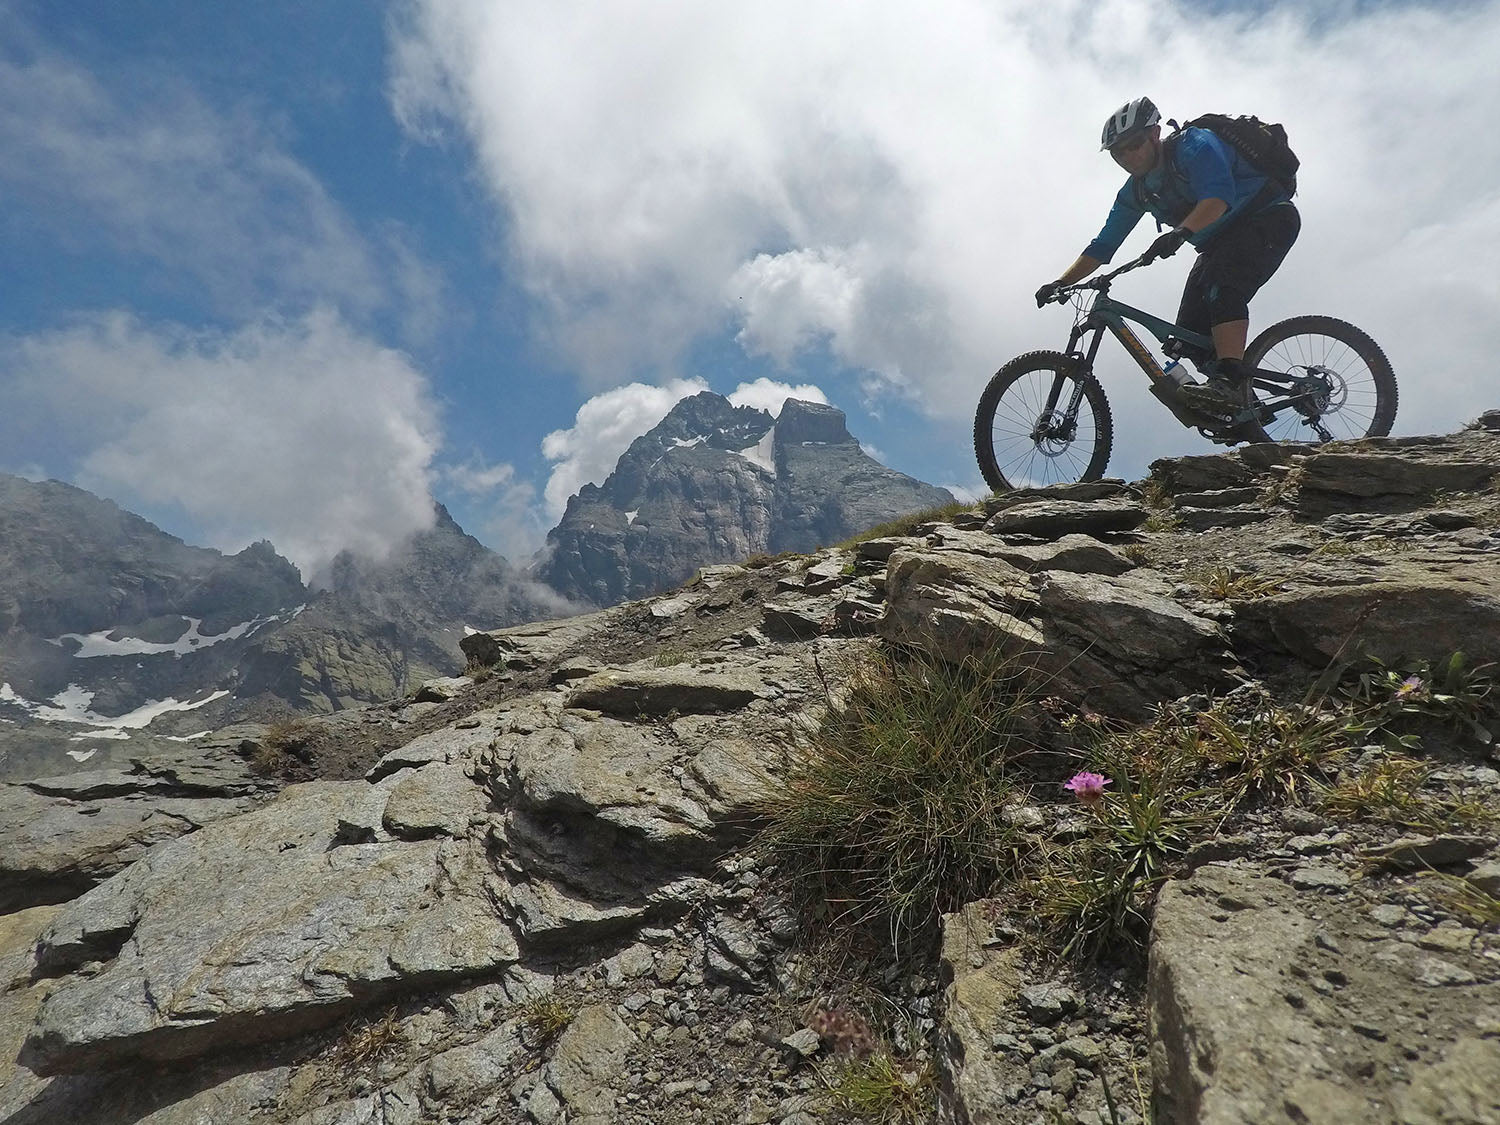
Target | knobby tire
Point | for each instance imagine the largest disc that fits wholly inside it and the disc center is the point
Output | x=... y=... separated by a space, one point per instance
x=1009 y=409
x=1368 y=406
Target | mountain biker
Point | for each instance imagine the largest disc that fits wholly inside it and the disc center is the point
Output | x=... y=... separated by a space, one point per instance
x=1241 y=223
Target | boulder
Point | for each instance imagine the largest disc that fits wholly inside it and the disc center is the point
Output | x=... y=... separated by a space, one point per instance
x=259 y=927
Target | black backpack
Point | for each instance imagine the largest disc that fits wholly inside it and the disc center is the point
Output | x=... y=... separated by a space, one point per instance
x=1263 y=144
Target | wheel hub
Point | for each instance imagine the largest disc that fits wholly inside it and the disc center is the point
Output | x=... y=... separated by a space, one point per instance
x=1053 y=434
x=1323 y=391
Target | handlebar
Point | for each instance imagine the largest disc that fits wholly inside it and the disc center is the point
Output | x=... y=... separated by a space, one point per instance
x=1101 y=284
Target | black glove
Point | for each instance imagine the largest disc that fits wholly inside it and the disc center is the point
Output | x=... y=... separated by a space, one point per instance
x=1167 y=244
x=1047 y=293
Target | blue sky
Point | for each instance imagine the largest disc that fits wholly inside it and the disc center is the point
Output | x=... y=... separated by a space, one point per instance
x=291 y=269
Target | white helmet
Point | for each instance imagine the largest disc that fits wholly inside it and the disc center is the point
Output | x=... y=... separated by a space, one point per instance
x=1130 y=118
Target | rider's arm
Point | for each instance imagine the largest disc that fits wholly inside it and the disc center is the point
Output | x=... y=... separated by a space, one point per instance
x=1204 y=160
x=1123 y=216
x=1079 y=270
x=1206 y=212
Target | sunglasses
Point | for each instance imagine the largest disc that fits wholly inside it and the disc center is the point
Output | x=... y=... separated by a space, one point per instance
x=1130 y=145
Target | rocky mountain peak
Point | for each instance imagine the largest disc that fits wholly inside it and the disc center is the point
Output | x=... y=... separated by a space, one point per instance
x=811 y=423
x=705 y=419
x=714 y=483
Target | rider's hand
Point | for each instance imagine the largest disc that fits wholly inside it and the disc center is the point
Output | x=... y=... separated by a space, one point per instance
x=1047 y=293
x=1167 y=244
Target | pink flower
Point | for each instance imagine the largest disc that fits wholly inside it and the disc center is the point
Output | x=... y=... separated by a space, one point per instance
x=1412 y=688
x=1087 y=787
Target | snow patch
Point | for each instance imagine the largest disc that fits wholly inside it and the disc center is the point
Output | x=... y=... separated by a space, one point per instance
x=761 y=452
x=81 y=755
x=680 y=443
x=630 y=516
x=71 y=705
x=100 y=644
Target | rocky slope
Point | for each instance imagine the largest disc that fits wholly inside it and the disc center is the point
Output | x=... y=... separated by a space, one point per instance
x=714 y=483
x=540 y=905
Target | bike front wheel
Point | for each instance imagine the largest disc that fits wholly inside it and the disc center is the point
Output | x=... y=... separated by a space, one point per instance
x=1041 y=421
x=1356 y=388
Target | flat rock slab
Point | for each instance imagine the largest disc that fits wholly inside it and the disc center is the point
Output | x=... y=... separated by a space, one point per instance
x=257 y=928
x=1261 y=1002
x=1078 y=491
x=979 y=1003
x=1371 y=475
x=54 y=847
x=1391 y=617
x=1081 y=554
x=955 y=603
x=445 y=746
x=1051 y=519
x=661 y=691
x=436 y=800
x=533 y=645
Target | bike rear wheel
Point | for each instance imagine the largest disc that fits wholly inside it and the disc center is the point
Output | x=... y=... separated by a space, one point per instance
x=1359 y=387
x=1022 y=443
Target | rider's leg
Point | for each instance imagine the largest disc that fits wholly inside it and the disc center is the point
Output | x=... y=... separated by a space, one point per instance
x=1236 y=265
x=1230 y=337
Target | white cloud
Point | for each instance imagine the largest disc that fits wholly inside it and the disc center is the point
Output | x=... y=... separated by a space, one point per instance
x=892 y=181
x=137 y=163
x=769 y=395
x=607 y=423
x=503 y=504
x=303 y=432
x=603 y=429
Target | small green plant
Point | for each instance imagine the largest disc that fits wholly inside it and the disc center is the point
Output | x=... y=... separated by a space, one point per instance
x=1143 y=809
x=1157 y=496
x=479 y=671
x=1463 y=897
x=1341 y=548
x=1224 y=583
x=1135 y=552
x=1451 y=691
x=285 y=748
x=1394 y=790
x=1163 y=520
x=1276 y=752
x=670 y=657
x=368 y=1043
x=895 y=806
x=883 y=1088
x=545 y=1018
x=762 y=559
x=1086 y=897
x=1277 y=490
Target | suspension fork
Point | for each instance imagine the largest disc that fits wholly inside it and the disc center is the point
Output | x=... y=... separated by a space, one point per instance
x=1084 y=363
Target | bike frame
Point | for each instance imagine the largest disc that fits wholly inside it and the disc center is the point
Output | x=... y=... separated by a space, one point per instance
x=1281 y=388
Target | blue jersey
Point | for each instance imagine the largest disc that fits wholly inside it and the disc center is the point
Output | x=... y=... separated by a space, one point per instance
x=1201 y=166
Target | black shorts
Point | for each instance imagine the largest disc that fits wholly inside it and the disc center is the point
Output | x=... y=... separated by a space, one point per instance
x=1233 y=267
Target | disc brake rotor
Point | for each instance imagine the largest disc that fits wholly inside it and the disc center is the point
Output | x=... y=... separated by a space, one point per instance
x=1051 y=434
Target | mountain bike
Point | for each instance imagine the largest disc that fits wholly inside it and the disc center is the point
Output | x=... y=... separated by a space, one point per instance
x=1043 y=418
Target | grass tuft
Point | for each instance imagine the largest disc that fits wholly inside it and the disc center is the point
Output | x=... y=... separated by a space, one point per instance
x=907 y=524
x=369 y=1043
x=284 y=750
x=884 y=1089
x=894 y=807
x=1224 y=583
x=545 y=1018
x=1463 y=897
